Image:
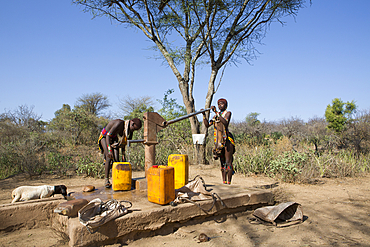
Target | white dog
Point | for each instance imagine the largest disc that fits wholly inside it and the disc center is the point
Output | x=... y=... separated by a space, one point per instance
x=25 y=193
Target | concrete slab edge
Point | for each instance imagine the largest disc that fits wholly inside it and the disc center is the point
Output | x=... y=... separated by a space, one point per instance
x=128 y=226
x=38 y=213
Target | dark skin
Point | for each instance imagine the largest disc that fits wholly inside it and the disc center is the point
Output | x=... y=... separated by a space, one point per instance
x=228 y=151
x=115 y=127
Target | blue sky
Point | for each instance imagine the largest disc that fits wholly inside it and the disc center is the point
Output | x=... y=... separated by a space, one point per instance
x=51 y=53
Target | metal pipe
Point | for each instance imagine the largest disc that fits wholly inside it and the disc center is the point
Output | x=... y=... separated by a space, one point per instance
x=149 y=157
x=135 y=141
x=166 y=123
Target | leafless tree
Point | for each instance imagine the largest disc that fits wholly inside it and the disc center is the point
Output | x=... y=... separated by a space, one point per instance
x=94 y=103
x=357 y=134
x=24 y=116
x=127 y=104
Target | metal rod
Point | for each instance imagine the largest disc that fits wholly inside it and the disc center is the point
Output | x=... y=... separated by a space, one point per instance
x=184 y=117
x=134 y=141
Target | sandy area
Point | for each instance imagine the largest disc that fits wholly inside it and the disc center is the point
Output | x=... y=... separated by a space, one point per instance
x=336 y=214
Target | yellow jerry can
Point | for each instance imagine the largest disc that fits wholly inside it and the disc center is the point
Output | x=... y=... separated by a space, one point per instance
x=181 y=165
x=121 y=176
x=160 y=182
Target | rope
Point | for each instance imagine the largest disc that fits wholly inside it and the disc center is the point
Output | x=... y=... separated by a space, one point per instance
x=214 y=195
x=105 y=206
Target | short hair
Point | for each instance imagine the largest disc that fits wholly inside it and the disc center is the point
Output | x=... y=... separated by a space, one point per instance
x=137 y=122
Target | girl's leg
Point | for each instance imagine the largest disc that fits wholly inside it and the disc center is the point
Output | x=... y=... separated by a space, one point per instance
x=116 y=154
x=229 y=150
x=107 y=162
x=223 y=168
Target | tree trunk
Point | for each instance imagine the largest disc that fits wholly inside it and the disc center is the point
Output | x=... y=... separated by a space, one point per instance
x=200 y=154
x=186 y=88
x=200 y=150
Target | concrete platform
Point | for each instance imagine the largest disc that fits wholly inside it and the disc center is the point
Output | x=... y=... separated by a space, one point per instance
x=144 y=218
x=147 y=219
x=38 y=213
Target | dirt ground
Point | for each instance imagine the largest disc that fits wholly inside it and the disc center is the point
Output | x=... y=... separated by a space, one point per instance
x=336 y=214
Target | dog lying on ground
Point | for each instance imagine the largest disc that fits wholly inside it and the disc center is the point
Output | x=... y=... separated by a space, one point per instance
x=25 y=193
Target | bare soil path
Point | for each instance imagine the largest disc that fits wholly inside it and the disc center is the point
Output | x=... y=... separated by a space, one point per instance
x=337 y=213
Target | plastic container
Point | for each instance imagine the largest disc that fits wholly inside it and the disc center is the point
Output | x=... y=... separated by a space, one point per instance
x=70 y=208
x=121 y=176
x=161 y=186
x=181 y=165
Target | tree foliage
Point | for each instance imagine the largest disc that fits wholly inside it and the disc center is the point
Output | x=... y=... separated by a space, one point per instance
x=338 y=114
x=176 y=137
x=77 y=125
x=170 y=109
x=22 y=142
x=252 y=119
x=283 y=149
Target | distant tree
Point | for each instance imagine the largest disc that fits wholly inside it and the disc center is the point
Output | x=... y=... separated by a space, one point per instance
x=78 y=125
x=94 y=103
x=292 y=127
x=338 y=114
x=316 y=132
x=357 y=133
x=135 y=107
x=251 y=119
x=139 y=112
x=61 y=121
x=24 y=116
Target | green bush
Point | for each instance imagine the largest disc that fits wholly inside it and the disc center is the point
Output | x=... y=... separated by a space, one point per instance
x=252 y=160
x=29 y=152
x=59 y=163
x=9 y=161
x=87 y=166
x=287 y=166
x=345 y=163
x=136 y=155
